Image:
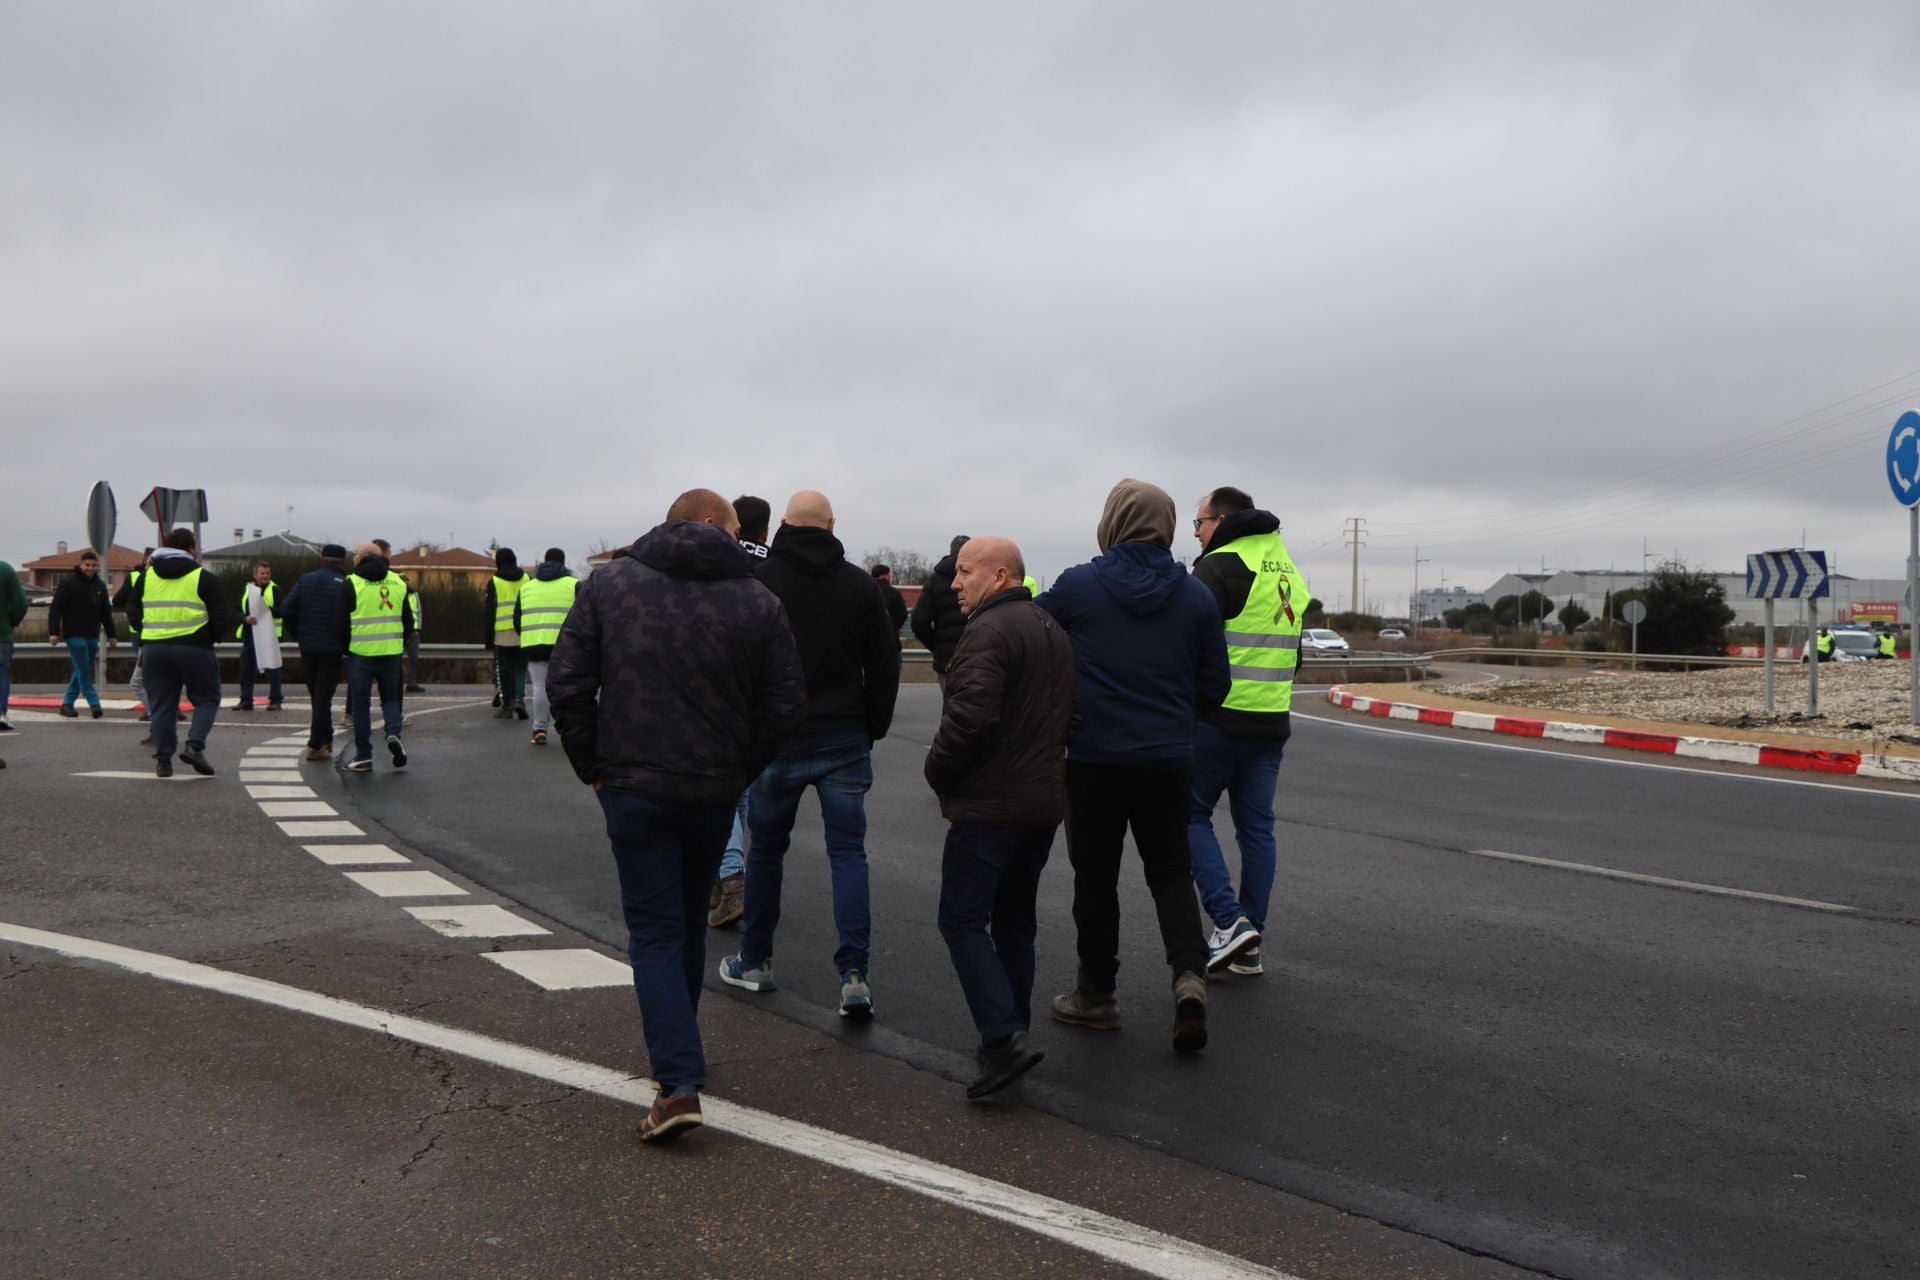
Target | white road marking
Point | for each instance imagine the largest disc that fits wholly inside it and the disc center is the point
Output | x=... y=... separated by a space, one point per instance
x=320 y=830
x=145 y=775
x=282 y=793
x=297 y=808
x=475 y=922
x=261 y=752
x=407 y=884
x=434 y=711
x=285 y=742
x=289 y=776
x=1450 y=740
x=564 y=969
x=1690 y=886
x=1115 y=1239
x=353 y=855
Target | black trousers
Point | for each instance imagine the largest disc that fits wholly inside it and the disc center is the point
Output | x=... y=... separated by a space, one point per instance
x=1103 y=802
x=323 y=680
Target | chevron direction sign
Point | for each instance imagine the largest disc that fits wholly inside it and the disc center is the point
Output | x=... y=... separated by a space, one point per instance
x=1787 y=575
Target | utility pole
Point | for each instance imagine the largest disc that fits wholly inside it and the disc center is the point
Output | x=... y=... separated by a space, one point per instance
x=1356 y=538
x=1417 y=562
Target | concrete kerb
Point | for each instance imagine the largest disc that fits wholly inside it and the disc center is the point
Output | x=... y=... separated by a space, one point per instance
x=1770 y=755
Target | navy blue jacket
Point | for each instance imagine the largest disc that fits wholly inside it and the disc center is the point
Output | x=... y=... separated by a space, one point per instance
x=1149 y=652
x=314 y=609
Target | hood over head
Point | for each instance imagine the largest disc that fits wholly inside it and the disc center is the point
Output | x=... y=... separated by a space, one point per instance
x=816 y=551
x=1242 y=524
x=170 y=562
x=373 y=568
x=1136 y=512
x=550 y=570
x=507 y=565
x=691 y=549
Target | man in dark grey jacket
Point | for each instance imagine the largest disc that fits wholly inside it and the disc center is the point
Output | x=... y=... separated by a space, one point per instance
x=674 y=683
x=999 y=765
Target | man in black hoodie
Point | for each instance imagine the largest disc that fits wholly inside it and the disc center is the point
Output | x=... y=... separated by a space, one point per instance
x=510 y=664
x=182 y=609
x=847 y=648
x=937 y=618
x=674 y=683
x=80 y=612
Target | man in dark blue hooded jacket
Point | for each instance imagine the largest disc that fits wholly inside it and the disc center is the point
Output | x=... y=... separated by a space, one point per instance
x=1150 y=656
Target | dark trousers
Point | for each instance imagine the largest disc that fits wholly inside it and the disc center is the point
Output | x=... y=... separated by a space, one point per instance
x=323 y=678
x=169 y=669
x=989 y=882
x=667 y=852
x=363 y=674
x=413 y=658
x=250 y=668
x=1103 y=801
x=510 y=661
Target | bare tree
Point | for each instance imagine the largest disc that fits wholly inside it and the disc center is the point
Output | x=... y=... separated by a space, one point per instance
x=910 y=568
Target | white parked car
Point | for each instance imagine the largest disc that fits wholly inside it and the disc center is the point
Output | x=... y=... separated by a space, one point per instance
x=1320 y=640
x=1392 y=633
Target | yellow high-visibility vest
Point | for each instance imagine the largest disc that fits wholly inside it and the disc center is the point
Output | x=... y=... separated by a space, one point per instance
x=266 y=598
x=171 y=607
x=543 y=609
x=376 y=630
x=1263 y=640
x=504 y=594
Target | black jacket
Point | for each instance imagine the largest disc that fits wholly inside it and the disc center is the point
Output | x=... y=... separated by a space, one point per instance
x=548 y=571
x=313 y=609
x=1229 y=579
x=896 y=605
x=80 y=609
x=937 y=619
x=372 y=569
x=676 y=675
x=850 y=655
x=1011 y=706
x=172 y=565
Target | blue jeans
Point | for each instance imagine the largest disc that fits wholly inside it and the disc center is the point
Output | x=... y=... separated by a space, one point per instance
x=666 y=852
x=838 y=765
x=989 y=881
x=1247 y=770
x=362 y=674
x=169 y=669
x=6 y=675
x=734 y=861
x=80 y=683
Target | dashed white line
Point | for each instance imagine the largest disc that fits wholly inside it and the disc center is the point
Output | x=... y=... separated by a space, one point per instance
x=282 y=793
x=476 y=922
x=1690 y=886
x=565 y=968
x=353 y=855
x=297 y=808
x=319 y=830
x=407 y=884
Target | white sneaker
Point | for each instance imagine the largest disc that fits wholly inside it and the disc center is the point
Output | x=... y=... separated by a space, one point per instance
x=1224 y=944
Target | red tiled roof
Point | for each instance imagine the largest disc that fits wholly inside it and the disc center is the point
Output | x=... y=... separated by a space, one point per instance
x=118 y=557
x=451 y=558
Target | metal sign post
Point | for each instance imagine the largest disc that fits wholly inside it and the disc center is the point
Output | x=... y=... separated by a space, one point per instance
x=1769 y=644
x=1791 y=574
x=103 y=518
x=1635 y=613
x=1813 y=659
x=1903 y=476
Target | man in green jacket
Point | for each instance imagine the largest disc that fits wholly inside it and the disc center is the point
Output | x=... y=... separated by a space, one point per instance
x=13 y=610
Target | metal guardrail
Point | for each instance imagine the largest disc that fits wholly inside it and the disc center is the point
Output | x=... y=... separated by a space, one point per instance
x=1581 y=655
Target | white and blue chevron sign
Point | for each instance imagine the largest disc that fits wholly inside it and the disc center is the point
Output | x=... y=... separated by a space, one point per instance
x=1787 y=575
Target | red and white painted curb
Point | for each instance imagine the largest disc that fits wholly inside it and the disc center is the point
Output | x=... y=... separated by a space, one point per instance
x=1724 y=750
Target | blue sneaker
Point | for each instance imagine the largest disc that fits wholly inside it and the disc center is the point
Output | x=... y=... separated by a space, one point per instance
x=1229 y=942
x=856 y=999
x=735 y=973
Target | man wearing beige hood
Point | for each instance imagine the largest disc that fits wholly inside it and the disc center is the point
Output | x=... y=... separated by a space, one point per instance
x=1150 y=657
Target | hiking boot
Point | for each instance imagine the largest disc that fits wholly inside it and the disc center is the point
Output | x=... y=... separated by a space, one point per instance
x=729 y=901
x=539 y=737
x=1088 y=1009
x=1189 y=1013
x=1247 y=963
x=163 y=768
x=735 y=973
x=1002 y=1065
x=856 y=997
x=69 y=712
x=399 y=752
x=97 y=713
x=198 y=759
x=1229 y=942
x=669 y=1117
x=316 y=753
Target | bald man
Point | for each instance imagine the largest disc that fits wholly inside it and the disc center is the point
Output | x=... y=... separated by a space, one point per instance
x=999 y=764
x=847 y=649
x=674 y=682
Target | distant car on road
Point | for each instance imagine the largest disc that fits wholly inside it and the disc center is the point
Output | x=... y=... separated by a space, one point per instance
x=1854 y=646
x=1392 y=633
x=1319 y=639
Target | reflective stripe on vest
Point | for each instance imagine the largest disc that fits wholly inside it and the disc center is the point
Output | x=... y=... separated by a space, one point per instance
x=375 y=630
x=504 y=594
x=1263 y=641
x=543 y=609
x=266 y=598
x=171 y=607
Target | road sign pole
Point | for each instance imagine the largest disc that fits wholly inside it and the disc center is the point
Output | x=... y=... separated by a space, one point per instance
x=1769 y=658
x=1634 y=664
x=1813 y=658
x=1913 y=612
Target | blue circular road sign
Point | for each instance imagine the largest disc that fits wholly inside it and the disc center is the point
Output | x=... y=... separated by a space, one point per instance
x=1903 y=459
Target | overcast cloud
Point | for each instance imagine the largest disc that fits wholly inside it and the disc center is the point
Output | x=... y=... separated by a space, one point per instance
x=1487 y=275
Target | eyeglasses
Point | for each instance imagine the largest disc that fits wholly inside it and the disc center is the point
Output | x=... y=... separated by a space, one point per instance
x=1200 y=520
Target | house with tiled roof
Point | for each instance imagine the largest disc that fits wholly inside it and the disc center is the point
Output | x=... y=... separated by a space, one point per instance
x=447 y=566
x=47 y=571
x=271 y=547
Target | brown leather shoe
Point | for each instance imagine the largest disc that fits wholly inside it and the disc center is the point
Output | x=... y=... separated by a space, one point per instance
x=1189 y=1013
x=315 y=753
x=1087 y=1009
x=668 y=1118
x=729 y=901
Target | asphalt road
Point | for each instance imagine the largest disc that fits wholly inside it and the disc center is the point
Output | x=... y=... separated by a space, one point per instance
x=1584 y=1075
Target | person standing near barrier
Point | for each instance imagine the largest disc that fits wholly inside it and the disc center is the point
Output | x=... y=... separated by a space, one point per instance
x=936 y=615
x=1237 y=749
x=182 y=609
x=726 y=903
x=314 y=610
x=413 y=684
x=374 y=635
x=126 y=600
x=502 y=590
x=257 y=602
x=998 y=764
x=539 y=611
x=674 y=683
x=80 y=612
x=13 y=611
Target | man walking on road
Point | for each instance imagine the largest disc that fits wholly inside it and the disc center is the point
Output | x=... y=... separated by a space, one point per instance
x=13 y=611
x=840 y=626
x=182 y=609
x=79 y=613
x=313 y=611
x=126 y=600
x=374 y=634
x=538 y=613
x=1151 y=660
x=998 y=764
x=674 y=682
x=511 y=664
x=728 y=901
x=1237 y=749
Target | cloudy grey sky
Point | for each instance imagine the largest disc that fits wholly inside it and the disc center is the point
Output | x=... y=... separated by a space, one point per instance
x=1510 y=281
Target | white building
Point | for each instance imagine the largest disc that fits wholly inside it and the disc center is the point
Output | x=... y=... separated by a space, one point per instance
x=1589 y=589
x=1433 y=602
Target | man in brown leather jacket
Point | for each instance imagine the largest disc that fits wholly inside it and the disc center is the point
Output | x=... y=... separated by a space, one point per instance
x=998 y=763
